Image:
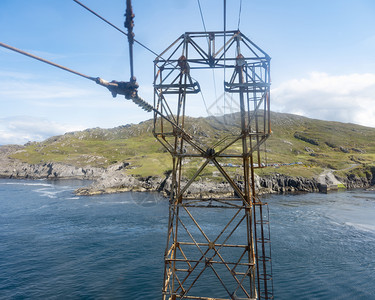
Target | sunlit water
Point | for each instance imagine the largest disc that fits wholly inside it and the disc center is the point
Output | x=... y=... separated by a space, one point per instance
x=56 y=245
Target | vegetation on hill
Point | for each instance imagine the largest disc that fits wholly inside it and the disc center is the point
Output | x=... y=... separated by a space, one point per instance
x=299 y=146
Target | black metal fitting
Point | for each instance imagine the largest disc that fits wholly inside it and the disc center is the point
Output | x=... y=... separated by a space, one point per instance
x=128 y=89
x=210 y=152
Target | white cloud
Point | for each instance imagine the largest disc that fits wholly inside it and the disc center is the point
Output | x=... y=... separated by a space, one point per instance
x=46 y=55
x=15 y=75
x=344 y=98
x=369 y=41
x=21 y=129
x=29 y=90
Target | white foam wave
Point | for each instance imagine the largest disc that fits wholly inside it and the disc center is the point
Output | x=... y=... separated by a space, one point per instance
x=362 y=227
x=40 y=208
x=50 y=193
x=115 y=202
x=27 y=184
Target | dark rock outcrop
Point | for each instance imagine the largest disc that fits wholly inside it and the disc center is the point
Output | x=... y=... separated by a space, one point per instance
x=301 y=136
x=285 y=184
x=353 y=181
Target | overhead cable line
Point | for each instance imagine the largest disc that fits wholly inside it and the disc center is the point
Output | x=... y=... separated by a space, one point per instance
x=225 y=27
x=239 y=15
x=213 y=70
x=225 y=48
x=128 y=89
x=46 y=61
x=115 y=87
x=114 y=26
x=200 y=10
x=204 y=101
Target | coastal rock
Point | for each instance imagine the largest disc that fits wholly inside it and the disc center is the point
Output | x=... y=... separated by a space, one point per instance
x=13 y=168
x=202 y=188
x=353 y=181
x=114 y=179
x=48 y=171
x=286 y=184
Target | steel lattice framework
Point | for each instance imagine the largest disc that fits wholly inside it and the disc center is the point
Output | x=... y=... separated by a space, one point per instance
x=238 y=254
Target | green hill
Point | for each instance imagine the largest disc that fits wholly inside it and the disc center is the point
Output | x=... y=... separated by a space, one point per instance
x=299 y=146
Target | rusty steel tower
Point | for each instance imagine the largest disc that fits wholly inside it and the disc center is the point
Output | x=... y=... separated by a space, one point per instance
x=202 y=260
x=235 y=257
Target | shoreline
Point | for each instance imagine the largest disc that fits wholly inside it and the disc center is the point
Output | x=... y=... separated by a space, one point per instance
x=114 y=180
x=111 y=180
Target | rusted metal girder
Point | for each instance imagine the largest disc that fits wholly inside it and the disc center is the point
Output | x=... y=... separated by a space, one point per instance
x=237 y=254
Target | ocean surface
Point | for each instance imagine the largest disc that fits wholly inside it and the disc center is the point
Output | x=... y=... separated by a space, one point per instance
x=55 y=245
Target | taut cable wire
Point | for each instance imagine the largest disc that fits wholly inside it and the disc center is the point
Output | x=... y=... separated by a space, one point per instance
x=225 y=48
x=213 y=70
x=239 y=15
x=200 y=10
x=115 y=87
x=114 y=26
x=46 y=61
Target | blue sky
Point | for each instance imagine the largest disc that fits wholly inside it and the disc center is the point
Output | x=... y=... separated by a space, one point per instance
x=323 y=62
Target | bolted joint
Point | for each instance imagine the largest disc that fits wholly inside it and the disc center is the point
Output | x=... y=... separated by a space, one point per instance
x=210 y=152
x=178 y=132
x=207 y=262
x=211 y=61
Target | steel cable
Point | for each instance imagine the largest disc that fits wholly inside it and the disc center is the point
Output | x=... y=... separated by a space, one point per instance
x=239 y=15
x=225 y=48
x=46 y=61
x=200 y=10
x=118 y=29
x=114 y=26
x=213 y=70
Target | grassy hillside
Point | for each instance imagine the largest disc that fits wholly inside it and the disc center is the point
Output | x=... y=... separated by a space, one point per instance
x=319 y=145
x=314 y=144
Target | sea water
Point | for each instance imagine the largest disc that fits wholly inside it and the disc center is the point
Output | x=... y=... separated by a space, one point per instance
x=56 y=245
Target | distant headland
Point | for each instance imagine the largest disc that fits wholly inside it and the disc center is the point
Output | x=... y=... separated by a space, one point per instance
x=302 y=155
